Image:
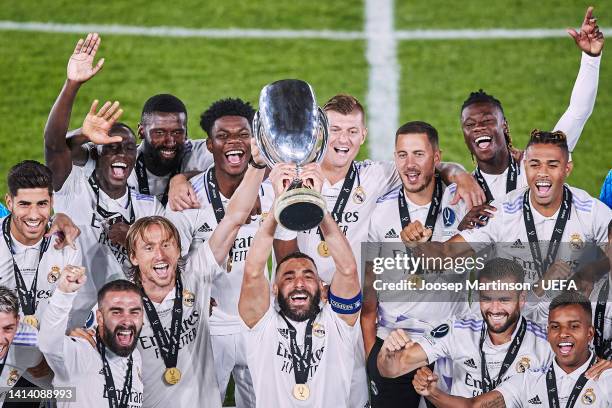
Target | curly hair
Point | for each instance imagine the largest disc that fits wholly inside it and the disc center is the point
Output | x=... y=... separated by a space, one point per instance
x=225 y=107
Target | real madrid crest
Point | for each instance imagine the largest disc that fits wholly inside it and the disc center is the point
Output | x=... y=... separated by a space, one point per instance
x=318 y=330
x=54 y=274
x=523 y=365
x=13 y=377
x=359 y=195
x=188 y=298
x=588 y=398
x=576 y=241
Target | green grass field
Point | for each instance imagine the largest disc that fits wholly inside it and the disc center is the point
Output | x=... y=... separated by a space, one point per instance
x=533 y=78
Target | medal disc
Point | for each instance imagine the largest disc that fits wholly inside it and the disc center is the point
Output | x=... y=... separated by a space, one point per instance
x=172 y=375
x=31 y=320
x=301 y=392
x=323 y=249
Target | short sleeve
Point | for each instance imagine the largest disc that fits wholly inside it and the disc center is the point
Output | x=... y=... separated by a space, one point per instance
x=199 y=158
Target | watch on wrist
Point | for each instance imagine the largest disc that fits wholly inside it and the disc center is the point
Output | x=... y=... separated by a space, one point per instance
x=257 y=166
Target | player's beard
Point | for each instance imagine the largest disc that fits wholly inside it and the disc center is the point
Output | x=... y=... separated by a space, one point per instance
x=110 y=340
x=419 y=188
x=512 y=319
x=158 y=165
x=298 y=315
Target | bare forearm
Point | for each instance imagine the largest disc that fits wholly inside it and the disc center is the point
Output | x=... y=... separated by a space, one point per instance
x=368 y=329
x=243 y=199
x=492 y=399
x=59 y=118
x=448 y=171
x=338 y=245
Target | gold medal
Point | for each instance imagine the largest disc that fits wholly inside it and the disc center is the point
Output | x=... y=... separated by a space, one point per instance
x=228 y=265
x=323 y=249
x=359 y=196
x=54 y=274
x=301 y=392
x=31 y=320
x=416 y=280
x=172 y=375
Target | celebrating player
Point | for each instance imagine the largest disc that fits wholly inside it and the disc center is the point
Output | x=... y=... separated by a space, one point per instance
x=487 y=134
x=299 y=352
x=110 y=374
x=417 y=206
x=572 y=378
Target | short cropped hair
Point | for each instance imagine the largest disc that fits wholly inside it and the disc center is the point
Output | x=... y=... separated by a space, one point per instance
x=419 y=127
x=225 y=107
x=119 y=285
x=294 y=255
x=344 y=104
x=557 y=138
x=500 y=268
x=571 y=297
x=163 y=103
x=8 y=301
x=29 y=174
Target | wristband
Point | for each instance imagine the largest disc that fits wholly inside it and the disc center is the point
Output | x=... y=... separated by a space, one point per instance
x=257 y=166
x=344 y=306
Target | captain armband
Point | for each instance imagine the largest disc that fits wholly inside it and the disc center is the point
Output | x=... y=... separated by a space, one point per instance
x=345 y=306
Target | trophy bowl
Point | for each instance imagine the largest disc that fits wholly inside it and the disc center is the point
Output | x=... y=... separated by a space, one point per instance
x=289 y=127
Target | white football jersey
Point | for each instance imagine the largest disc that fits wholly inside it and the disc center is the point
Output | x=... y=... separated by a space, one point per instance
x=195 y=360
x=414 y=312
x=374 y=178
x=459 y=341
x=196 y=158
x=78 y=365
x=607 y=327
x=530 y=389
x=22 y=354
x=196 y=226
x=26 y=257
x=587 y=224
x=271 y=365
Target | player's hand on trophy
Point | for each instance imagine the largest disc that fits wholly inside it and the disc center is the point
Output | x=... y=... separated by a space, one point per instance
x=281 y=177
x=468 y=190
x=256 y=155
x=80 y=65
x=86 y=334
x=396 y=341
x=181 y=195
x=97 y=124
x=415 y=232
x=118 y=233
x=473 y=217
x=65 y=230
x=71 y=279
x=589 y=39
x=425 y=381
x=312 y=176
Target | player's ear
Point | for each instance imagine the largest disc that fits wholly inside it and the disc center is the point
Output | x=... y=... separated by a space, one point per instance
x=8 y=199
x=590 y=332
x=99 y=318
x=133 y=258
x=141 y=132
x=275 y=289
x=365 y=134
x=209 y=143
x=568 y=168
x=437 y=157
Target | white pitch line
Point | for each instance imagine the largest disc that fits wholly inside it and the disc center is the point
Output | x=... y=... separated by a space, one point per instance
x=493 y=33
x=383 y=79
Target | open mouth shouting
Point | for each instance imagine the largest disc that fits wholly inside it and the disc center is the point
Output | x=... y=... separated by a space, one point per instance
x=543 y=187
x=412 y=176
x=161 y=269
x=119 y=170
x=565 y=347
x=342 y=150
x=299 y=298
x=125 y=336
x=235 y=156
x=168 y=153
x=483 y=142
x=33 y=226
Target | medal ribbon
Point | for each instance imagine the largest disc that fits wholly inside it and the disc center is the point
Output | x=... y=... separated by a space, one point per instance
x=555 y=239
x=511 y=179
x=111 y=391
x=600 y=311
x=27 y=298
x=169 y=347
x=551 y=385
x=301 y=361
x=487 y=384
x=93 y=182
x=343 y=197
x=215 y=201
x=434 y=207
x=143 y=179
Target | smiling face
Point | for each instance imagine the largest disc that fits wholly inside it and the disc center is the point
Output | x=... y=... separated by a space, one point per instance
x=484 y=126
x=298 y=289
x=8 y=328
x=416 y=160
x=156 y=254
x=120 y=319
x=569 y=333
x=546 y=168
x=346 y=134
x=164 y=135
x=30 y=212
x=230 y=144
x=501 y=309
x=115 y=161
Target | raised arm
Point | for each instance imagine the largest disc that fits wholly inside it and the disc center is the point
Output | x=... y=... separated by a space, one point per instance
x=80 y=69
x=590 y=40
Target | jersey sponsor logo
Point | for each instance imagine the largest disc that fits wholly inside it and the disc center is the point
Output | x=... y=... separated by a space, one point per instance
x=284 y=332
x=117 y=250
x=448 y=216
x=284 y=352
x=136 y=397
x=391 y=234
x=589 y=397
x=470 y=363
x=189 y=333
x=440 y=331
x=535 y=400
x=523 y=365
x=205 y=228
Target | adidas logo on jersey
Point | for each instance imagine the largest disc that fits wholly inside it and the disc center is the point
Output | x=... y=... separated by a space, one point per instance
x=391 y=234
x=205 y=228
x=535 y=400
x=470 y=363
x=517 y=244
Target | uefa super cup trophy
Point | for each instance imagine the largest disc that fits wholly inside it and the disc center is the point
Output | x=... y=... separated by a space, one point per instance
x=290 y=128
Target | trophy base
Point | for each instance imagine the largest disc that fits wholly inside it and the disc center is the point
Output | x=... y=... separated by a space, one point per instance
x=300 y=209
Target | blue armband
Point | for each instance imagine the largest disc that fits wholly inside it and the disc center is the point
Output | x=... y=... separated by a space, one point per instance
x=344 y=306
